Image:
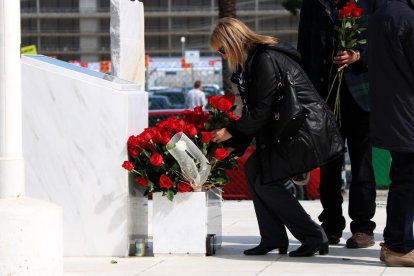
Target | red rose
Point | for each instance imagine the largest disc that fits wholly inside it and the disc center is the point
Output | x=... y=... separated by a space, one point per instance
x=350 y=5
x=223 y=104
x=157 y=137
x=205 y=137
x=141 y=181
x=230 y=98
x=190 y=130
x=233 y=117
x=156 y=159
x=187 y=115
x=143 y=143
x=165 y=140
x=341 y=14
x=198 y=110
x=347 y=11
x=212 y=100
x=356 y=12
x=165 y=182
x=133 y=152
x=132 y=141
x=148 y=133
x=221 y=153
x=183 y=187
x=128 y=165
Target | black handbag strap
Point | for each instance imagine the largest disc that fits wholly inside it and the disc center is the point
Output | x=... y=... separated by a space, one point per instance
x=278 y=96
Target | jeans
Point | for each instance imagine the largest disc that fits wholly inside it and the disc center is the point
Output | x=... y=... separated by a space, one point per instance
x=354 y=127
x=398 y=232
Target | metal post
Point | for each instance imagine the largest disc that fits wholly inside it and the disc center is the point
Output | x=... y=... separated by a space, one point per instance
x=183 y=54
x=183 y=46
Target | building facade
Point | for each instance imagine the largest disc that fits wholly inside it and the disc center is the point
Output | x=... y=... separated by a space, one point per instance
x=79 y=29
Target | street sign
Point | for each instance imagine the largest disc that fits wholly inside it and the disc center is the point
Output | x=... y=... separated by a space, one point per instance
x=192 y=56
x=31 y=50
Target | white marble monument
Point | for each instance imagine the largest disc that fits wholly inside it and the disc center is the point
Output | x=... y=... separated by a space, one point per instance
x=75 y=126
x=30 y=229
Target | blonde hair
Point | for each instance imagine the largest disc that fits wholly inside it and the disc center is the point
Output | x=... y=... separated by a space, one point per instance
x=236 y=39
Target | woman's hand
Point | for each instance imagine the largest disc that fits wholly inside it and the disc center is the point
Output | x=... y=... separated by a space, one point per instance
x=344 y=58
x=220 y=135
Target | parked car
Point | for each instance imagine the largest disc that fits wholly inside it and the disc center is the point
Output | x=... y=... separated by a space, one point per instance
x=156 y=102
x=175 y=95
x=212 y=90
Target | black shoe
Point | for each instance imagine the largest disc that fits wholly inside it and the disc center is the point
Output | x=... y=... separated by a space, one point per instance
x=333 y=239
x=263 y=249
x=309 y=250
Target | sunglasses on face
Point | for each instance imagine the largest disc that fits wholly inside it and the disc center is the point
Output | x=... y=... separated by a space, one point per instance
x=221 y=51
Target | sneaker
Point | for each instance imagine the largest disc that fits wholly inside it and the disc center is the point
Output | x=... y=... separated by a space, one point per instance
x=360 y=240
x=392 y=258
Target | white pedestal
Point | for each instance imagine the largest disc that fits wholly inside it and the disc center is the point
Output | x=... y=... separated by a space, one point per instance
x=182 y=226
x=30 y=237
x=76 y=123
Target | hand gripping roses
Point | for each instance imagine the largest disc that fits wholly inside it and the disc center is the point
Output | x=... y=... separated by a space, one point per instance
x=204 y=162
x=347 y=40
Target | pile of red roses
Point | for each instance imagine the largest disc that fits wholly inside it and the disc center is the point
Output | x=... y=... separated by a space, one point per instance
x=157 y=170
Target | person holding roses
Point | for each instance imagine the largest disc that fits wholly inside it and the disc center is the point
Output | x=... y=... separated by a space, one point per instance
x=252 y=58
x=319 y=44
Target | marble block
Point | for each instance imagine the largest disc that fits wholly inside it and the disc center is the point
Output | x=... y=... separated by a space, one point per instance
x=127 y=40
x=181 y=226
x=75 y=126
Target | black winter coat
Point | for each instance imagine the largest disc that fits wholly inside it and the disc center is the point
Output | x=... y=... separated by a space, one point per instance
x=391 y=75
x=261 y=78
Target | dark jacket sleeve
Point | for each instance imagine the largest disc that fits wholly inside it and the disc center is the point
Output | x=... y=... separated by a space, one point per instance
x=262 y=88
x=240 y=144
x=369 y=8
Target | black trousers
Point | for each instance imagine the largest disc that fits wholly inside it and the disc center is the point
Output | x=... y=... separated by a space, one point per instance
x=354 y=127
x=398 y=232
x=276 y=208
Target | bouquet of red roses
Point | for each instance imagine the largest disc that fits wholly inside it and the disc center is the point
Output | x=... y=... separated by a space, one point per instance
x=150 y=157
x=347 y=33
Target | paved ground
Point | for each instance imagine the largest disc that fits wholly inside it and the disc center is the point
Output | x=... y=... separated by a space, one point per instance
x=240 y=232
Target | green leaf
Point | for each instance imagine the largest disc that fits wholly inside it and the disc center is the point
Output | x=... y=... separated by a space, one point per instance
x=170 y=146
x=147 y=153
x=348 y=25
x=362 y=41
x=222 y=180
x=170 y=195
